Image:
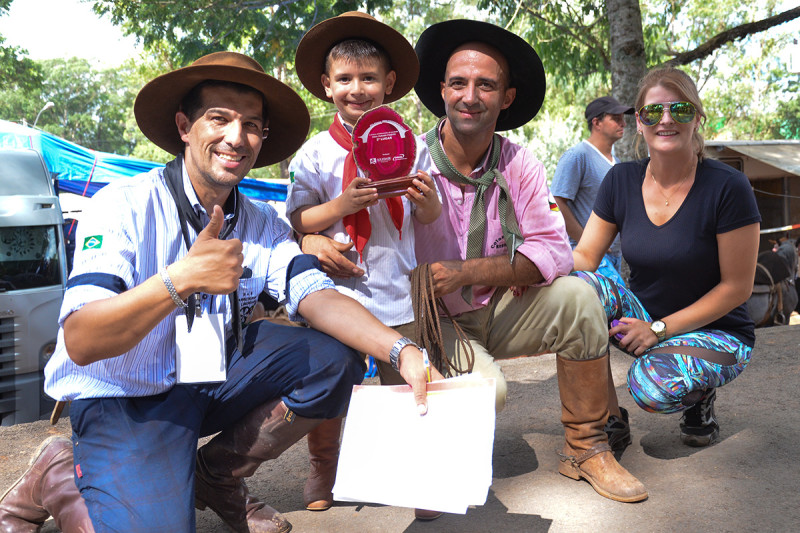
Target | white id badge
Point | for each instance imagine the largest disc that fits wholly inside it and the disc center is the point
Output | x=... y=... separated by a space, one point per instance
x=200 y=355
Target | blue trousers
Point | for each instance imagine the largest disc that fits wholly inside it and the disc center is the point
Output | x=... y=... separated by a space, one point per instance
x=135 y=457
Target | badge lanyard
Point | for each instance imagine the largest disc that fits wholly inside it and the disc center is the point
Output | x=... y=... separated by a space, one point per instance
x=173 y=175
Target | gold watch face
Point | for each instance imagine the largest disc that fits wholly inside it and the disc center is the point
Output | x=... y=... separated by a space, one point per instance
x=659 y=328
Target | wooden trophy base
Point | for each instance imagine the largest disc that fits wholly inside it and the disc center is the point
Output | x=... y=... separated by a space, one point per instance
x=391 y=187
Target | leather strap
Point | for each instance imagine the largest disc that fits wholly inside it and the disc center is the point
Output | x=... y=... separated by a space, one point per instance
x=58 y=408
x=428 y=329
x=588 y=454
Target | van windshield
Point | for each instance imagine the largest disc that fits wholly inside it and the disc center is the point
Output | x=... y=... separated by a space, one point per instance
x=22 y=174
x=29 y=258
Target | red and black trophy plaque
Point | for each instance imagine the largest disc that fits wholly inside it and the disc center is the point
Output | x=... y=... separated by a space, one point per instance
x=384 y=149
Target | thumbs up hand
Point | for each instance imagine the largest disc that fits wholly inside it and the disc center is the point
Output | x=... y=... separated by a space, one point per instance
x=212 y=266
x=214 y=227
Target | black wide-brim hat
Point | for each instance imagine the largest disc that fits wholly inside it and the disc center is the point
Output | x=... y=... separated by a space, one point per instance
x=159 y=100
x=313 y=49
x=437 y=43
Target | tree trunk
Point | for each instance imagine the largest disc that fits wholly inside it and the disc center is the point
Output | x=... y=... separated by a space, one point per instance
x=628 y=63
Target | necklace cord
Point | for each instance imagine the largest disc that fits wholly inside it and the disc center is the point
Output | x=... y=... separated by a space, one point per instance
x=680 y=183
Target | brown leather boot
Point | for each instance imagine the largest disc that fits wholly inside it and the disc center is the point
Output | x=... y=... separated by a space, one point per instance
x=46 y=488
x=323 y=454
x=583 y=387
x=264 y=433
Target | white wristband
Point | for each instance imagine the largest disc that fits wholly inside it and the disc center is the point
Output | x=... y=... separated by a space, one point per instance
x=171 y=288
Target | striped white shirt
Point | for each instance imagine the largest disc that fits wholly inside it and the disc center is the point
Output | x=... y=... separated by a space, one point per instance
x=130 y=230
x=388 y=257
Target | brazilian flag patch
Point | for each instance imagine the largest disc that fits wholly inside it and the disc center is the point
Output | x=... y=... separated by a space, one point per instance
x=93 y=243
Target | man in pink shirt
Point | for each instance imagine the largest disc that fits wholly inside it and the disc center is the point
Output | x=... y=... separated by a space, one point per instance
x=499 y=252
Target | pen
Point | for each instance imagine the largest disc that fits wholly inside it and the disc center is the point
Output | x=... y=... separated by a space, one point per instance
x=427 y=363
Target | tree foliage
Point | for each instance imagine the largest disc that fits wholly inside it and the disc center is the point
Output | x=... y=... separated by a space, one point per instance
x=90 y=105
x=178 y=32
x=139 y=73
x=16 y=70
x=788 y=113
x=572 y=37
x=576 y=42
x=746 y=95
x=267 y=30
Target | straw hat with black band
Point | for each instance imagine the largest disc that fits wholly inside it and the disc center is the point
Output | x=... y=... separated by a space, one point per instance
x=317 y=42
x=437 y=43
x=159 y=100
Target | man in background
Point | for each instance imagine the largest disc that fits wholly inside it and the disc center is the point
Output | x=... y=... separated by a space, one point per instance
x=581 y=169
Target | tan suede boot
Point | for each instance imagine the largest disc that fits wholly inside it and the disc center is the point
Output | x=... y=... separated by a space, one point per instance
x=264 y=433
x=583 y=387
x=323 y=454
x=46 y=488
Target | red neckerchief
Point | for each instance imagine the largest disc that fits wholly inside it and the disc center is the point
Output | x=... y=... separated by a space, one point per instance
x=358 y=225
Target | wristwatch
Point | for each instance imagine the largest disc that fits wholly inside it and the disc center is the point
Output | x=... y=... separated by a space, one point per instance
x=660 y=329
x=401 y=343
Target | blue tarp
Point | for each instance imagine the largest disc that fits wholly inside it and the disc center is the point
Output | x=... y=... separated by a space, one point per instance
x=84 y=171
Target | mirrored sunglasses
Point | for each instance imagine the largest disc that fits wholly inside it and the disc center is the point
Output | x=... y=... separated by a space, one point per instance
x=681 y=112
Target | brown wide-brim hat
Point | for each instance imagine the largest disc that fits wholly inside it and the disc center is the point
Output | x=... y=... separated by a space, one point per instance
x=309 y=60
x=159 y=100
x=437 y=43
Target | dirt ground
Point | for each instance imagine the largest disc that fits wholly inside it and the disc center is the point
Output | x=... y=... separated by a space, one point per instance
x=748 y=481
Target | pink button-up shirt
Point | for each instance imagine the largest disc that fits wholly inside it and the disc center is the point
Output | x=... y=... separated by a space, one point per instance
x=545 y=237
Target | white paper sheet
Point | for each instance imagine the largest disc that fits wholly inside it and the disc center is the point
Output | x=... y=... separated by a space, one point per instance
x=441 y=461
x=200 y=355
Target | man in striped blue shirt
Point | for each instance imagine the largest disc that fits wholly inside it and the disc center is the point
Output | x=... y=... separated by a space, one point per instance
x=177 y=250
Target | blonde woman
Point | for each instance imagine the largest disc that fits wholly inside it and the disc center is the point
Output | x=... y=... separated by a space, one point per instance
x=689 y=232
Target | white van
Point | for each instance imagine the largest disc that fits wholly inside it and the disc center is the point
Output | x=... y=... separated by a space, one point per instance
x=32 y=280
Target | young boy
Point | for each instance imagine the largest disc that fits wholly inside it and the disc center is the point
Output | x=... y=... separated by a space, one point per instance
x=357 y=63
